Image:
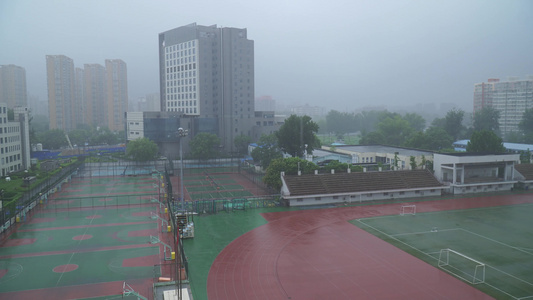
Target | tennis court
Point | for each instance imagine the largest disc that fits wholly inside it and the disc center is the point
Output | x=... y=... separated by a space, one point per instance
x=214 y=186
x=490 y=247
x=86 y=240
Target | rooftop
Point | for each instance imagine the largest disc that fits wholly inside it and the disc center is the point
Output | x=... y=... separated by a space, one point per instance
x=384 y=149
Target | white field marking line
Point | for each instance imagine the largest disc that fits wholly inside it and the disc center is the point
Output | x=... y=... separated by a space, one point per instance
x=479 y=235
x=424 y=232
x=429 y=255
x=526 y=297
x=525 y=249
x=79 y=242
x=497 y=242
x=452 y=210
x=392 y=237
x=519 y=279
x=484 y=282
x=72 y=255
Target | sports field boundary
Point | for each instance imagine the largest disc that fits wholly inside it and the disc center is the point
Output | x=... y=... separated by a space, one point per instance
x=289 y=268
x=495 y=275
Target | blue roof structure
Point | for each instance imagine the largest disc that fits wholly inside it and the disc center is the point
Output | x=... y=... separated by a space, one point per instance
x=461 y=146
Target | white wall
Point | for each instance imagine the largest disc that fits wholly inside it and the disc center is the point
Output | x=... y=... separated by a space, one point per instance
x=357 y=198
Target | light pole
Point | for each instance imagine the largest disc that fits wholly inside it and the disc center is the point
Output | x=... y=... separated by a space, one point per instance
x=182 y=133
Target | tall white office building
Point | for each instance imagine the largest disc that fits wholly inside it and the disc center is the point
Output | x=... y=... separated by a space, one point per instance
x=208 y=72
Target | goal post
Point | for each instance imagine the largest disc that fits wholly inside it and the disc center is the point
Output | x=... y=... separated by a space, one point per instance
x=408 y=210
x=462 y=266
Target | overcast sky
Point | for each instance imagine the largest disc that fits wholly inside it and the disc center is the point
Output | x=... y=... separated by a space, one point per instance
x=338 y=54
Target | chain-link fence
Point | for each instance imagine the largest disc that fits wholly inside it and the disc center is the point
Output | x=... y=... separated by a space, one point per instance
x=14 y=210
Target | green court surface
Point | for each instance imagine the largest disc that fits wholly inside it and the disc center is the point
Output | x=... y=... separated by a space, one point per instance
x=111 y=186
x=213 y=188
x=491 y=247
x=77 y=237
x=73 y=203
x=212 y=234
x=44 y=271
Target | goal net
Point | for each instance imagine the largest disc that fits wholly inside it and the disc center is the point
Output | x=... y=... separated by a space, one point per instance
x=462 y=266
x=408 y=210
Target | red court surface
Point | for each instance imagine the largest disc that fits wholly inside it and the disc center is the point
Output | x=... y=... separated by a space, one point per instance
x=317 y=254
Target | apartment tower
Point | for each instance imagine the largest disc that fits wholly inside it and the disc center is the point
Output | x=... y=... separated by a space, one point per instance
x=13 y=86
x=511 y=98
x=62 y=104
x=208 y=73
x=117 y=93
x=95 y=94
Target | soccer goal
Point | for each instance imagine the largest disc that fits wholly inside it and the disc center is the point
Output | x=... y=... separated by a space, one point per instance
x=462 y=266
x=408 y=210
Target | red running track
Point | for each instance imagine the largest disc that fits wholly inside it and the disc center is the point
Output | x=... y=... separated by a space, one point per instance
x=317 y=254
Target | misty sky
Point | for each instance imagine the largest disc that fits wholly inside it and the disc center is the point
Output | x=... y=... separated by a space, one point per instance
x=338 y=54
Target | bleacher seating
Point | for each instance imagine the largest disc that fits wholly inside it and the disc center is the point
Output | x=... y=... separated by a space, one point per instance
x=526 y=170
x=311 y=184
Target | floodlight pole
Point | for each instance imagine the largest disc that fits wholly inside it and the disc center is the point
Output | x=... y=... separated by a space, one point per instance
x=182 y=133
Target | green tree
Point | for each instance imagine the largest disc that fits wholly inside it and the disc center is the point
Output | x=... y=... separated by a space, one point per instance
x=267 y=150
x=395 y=130
x=241 y=143
x=337 y=166
x=290 y=166
x=367 y=120
x=52 y=139
x=423 y=162
x=525 y=157
x=204 y=146
x=412 y=162
x=297 y=132
x=142 y=149
x=487 y=119
x=526 y=126
x=372 y=138
x=453 y=123
x=79 y=136
x=103 y=136
x=416 y=121
x=485 y=141
x=434 y=138
x=340 y=122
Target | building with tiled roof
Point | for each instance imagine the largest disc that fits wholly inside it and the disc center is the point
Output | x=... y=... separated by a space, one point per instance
x=319 y=189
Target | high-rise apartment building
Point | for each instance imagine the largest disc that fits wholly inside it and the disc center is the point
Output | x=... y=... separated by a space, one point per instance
x=511 y=98
x=80 y=96
x=208 y=72
x=62 y=104
x=13 y=86
x=95 y=94
x=117 y=93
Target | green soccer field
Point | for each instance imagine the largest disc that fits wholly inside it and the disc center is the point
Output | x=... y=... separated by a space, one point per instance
x=491 y=248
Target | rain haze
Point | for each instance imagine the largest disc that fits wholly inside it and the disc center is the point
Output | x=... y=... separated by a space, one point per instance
x=341 y=55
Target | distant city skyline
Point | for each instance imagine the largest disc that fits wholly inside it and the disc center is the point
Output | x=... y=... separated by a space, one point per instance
x=94 y=95
x=341 y=55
